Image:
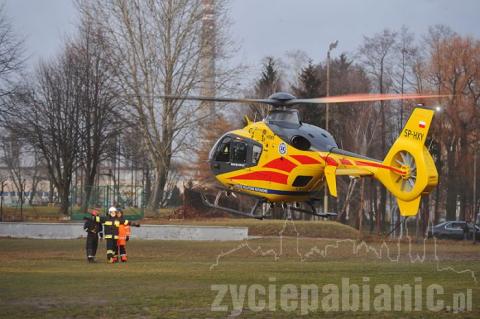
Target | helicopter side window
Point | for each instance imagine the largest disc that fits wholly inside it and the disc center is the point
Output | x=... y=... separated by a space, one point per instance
x=239 y=152
x=257 y=150
x=223 y=153
x=235 y=152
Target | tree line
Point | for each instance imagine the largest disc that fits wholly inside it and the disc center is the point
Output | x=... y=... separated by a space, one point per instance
x=96 y=103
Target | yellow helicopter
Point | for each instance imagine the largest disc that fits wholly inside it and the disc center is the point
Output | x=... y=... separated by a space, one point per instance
x=283 y=160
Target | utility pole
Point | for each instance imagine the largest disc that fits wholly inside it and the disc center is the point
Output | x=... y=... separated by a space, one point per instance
x=1 y=200
x=475 y=212
x=22 y=190
x=332 y=46
x=404 y=52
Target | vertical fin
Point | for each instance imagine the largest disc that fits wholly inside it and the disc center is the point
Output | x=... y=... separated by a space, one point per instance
x=409 y=155
x=409 y=208
x=331 y=179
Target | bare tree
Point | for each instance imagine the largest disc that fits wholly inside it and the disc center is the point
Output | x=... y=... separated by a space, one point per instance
x=11 y=59
x=376 y=54
x=68 y=112
x=156 y=48
x=99 y=105
x=408 y=58
x=48 y=114
x=452 y=68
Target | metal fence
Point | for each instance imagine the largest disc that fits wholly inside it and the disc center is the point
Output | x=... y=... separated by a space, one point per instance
x=128 y=197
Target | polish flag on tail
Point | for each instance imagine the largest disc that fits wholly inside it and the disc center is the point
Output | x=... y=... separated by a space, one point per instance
x=422 y=124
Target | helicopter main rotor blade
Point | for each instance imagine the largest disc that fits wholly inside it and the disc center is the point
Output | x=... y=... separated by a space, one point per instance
x=351 y=98
x=217 y=99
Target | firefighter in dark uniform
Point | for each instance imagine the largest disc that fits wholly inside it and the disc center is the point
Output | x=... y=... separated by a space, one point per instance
x=93 y=229
x=110 y=229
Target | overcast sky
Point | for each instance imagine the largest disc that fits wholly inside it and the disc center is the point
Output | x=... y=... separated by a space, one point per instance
x=272 y=27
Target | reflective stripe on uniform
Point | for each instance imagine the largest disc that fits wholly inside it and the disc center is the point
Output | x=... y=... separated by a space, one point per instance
x=108 y=223
x=126 y=222
x=108 y=236
x=97 y=219
x=117 y=223
x=109 y=251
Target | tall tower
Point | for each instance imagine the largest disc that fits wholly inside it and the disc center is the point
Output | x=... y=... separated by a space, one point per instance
x=208 y=55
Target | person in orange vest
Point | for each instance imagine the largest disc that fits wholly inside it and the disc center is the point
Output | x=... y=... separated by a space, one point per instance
x=123 y=237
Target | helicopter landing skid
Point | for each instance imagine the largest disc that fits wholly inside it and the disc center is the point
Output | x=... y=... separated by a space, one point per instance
x=222 y=191
x=258 y=203
x=312 y=211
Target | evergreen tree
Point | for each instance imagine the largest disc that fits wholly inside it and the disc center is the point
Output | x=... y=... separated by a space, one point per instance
x=268 y=83
x=310 y=86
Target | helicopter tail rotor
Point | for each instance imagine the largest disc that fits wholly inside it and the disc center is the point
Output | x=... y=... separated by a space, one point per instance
x=413 y=170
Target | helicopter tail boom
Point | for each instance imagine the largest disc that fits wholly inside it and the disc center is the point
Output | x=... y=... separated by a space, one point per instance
x=409 y=156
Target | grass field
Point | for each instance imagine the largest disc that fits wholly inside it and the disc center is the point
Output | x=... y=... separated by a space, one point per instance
x=173 y=279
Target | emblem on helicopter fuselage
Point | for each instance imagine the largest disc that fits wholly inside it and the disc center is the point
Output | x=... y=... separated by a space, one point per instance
x=282 y=148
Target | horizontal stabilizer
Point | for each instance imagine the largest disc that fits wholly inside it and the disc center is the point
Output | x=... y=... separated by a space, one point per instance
x=356 y=172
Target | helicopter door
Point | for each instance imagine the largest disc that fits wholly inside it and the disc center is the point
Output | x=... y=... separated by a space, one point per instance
x=239 y=154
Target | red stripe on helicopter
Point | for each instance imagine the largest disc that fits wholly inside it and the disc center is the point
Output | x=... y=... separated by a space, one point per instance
x=345 y=161
x=305 y=159
x=264 y=176
x=282 y=164
x=361 y=163
x=330 y=161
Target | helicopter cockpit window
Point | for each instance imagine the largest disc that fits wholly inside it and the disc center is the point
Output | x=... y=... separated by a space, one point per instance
x=257 y=150
x=239 y=152
x=223 y=153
